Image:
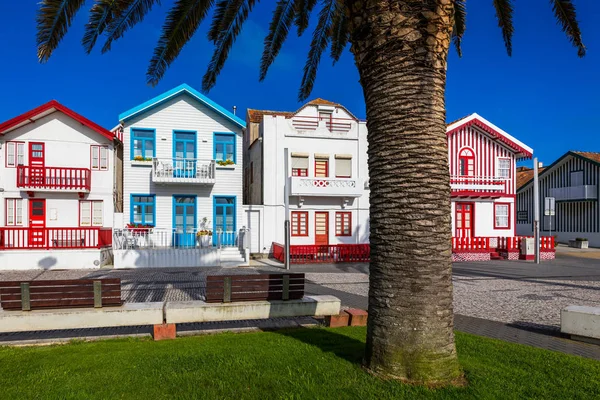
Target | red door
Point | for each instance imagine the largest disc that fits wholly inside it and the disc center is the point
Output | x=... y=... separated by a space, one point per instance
x=464 y=220
x=321 y=228
x=37 y=223
x=37 y=161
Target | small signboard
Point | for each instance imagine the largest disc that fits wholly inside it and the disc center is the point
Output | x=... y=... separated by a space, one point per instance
x=549 y=206
x=521 y=216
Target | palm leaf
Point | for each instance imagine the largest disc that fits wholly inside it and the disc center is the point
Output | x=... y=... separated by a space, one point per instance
x=320 y=40
x=54 y=18
x=233 y=19
x=460 y=24
x=130 y=12
x=504 y=11
x=181 y=23
x=340 y=33
x=218 y=21
x=564 y=10
x=303 y=10
x=101 y=14
x=278 y=31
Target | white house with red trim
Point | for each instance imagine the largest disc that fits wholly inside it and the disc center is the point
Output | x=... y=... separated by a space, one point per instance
x=482 y=160
x=56 y=190
x=327 y=176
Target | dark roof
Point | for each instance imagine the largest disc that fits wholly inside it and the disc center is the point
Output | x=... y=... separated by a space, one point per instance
x=593 y=157
x=524 y=175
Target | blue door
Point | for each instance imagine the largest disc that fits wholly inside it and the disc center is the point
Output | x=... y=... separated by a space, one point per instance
x=184 y=154
x=184 y=215
x=224 y=225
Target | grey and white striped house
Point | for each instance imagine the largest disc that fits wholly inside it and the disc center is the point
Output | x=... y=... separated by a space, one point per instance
x=574 y=181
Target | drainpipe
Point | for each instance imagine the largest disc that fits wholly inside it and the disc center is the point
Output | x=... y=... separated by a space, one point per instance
x=286 y=199
x=536 y=210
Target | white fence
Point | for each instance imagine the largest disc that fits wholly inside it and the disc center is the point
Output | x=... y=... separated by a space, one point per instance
x=148 y=238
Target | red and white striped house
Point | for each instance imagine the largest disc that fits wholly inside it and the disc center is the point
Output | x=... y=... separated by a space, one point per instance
x=482 y=160
x=56 y=189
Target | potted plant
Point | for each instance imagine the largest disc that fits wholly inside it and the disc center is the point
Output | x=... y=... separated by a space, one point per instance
x=204 y=236
x=579 y=243
x=139 y=228
x=224 y=163
x=140 y=158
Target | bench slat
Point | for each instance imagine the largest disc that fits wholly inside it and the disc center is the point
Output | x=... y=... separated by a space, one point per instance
x=65 y=295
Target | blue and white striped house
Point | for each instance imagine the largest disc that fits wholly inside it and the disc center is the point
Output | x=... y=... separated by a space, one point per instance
x=182 y=181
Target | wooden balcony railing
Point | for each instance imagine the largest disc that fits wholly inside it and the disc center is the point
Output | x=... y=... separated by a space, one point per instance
x=54 y=178
x=20 y=238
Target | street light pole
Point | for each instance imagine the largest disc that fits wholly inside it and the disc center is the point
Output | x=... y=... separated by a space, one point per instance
x=286 y=200
x=536 y=210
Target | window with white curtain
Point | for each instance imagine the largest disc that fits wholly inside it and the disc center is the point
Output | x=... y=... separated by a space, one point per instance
x=99 y=158
x=15 y=154
x=504 y=168
x=90 y=213
x=502 y=216
x=343 y=166
x=299 y=164
x=14 y=212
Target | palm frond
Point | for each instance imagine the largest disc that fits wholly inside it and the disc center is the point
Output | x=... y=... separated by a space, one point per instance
x=53 y=19
x=504 y=11
x=101 y=14
x=460 y=24
x=218 y=20
x=340 y=33
x=233 y=19
x=278 y=31
x=564 y=10
x=303 y=10
x=320 y=40
x=129 y=13
x=181 y=23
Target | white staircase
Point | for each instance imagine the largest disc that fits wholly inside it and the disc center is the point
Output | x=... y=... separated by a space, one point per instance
x=232 y=257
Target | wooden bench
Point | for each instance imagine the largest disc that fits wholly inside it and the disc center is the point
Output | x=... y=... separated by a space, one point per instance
x=230 y=288
x=33 y=295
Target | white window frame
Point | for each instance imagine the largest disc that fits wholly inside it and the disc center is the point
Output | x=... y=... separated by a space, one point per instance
x=497 y=225
x=89 y=214
x=14 y=212
x=97 y=157
x=18 y=154
x=498 y=169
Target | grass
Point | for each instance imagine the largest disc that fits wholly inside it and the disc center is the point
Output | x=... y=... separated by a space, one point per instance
x=311 y=364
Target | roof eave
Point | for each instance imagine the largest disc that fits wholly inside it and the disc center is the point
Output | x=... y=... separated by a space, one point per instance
x=184 y=88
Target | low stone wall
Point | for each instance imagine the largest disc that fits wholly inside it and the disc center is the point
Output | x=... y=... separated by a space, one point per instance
x=155 y=313
x=166 y=257
x=581 y=321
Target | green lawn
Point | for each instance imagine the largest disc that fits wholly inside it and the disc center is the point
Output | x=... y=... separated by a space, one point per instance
x=293 y=364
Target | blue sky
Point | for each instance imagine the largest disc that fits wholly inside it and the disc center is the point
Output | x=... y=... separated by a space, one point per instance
x=544 y=94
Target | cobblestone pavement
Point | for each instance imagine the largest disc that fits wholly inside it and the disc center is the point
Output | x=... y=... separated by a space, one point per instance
x=518 y=293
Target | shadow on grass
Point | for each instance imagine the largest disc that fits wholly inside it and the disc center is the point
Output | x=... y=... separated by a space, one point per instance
x=328 y=341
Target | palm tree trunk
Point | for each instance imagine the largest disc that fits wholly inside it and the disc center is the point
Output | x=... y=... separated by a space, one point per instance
x=401 y=48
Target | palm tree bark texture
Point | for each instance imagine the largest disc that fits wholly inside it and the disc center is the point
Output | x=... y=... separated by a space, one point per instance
x=401 y=49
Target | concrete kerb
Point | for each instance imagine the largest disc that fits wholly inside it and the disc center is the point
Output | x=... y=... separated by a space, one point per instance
x=159 y=313
x=581 y=322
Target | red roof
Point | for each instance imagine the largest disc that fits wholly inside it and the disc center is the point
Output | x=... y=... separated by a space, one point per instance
x=493 y=131
x=48 y=108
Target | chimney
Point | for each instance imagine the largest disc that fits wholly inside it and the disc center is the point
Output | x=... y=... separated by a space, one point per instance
x=234 y=109
x=540 y=164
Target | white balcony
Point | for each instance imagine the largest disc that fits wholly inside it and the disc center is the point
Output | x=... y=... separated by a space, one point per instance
x=183 y=170
x=575 y=193
x=341 y=187
x=479 y=183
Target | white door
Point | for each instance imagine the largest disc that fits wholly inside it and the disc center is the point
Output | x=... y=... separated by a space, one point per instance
x=254 y=226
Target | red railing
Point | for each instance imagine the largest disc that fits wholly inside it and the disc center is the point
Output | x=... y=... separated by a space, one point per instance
x=54 y=178
x=308 y=254
x=311 y=123
x=471 y=244
x=514 y=243
x=13 y=238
